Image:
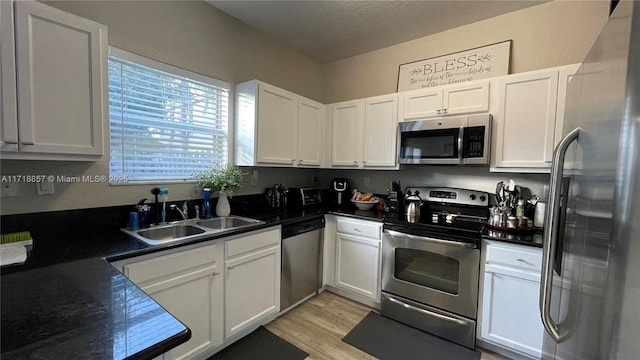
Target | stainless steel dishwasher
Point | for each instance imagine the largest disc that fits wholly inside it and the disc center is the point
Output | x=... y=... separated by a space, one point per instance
x=301 y=261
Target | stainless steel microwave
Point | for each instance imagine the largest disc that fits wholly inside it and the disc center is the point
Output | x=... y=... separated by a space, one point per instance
x=460 y=140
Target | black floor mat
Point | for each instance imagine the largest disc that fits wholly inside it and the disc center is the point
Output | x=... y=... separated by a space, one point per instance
x=260 y=344
x=387 y=339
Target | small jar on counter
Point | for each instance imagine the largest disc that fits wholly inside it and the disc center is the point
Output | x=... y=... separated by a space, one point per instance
x=512 y=222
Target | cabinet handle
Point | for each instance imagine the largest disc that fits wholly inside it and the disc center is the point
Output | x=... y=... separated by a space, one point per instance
x=444 y=111
x=28 y=143
x=214 y=274
x=10 y=142
x=438 y=111
x=300 y=161
x=230 y=267
x=355 y=161
x=356 y=230
x=523 y=261
x=293 y=161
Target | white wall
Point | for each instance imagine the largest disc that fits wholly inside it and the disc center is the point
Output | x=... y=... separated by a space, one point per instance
x=551 y=34
x=196 y=36
x=188 y=34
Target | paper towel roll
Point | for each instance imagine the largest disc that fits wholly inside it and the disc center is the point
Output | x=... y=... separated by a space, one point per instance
x=538 y=218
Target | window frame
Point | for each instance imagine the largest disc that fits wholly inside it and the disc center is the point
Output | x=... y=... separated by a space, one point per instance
x=174 y=70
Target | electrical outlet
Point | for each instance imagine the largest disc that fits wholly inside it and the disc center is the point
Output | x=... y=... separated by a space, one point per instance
x=367 y=181
x=9 y=189
x=44 y=188
x=314 y=179
x=255 y=175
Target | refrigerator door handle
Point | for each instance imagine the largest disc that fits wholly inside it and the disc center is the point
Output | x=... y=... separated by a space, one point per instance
x=557 y=332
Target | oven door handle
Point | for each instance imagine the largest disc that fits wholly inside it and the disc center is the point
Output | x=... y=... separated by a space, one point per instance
x=427 y=312
x=432 y=240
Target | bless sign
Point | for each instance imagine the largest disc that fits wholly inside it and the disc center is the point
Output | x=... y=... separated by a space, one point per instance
x=473 y=64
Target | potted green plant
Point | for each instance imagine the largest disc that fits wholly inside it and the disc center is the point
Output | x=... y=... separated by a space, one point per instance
x=224 y=178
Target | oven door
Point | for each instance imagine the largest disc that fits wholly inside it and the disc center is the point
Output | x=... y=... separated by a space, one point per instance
x=432 y=271
x=437 y=141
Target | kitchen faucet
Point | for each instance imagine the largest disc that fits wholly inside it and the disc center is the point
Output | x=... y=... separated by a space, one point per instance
x=174 y=207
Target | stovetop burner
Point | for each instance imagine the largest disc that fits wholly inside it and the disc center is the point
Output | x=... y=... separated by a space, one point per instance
x=457 y=214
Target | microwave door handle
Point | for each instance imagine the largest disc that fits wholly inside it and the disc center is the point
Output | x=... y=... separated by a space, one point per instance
x=556 y=331
x=460 y=143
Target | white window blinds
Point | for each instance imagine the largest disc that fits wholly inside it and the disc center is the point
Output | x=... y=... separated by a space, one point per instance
x=164 y=125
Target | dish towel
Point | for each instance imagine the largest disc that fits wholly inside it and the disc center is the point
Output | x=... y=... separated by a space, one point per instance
x=12 y=254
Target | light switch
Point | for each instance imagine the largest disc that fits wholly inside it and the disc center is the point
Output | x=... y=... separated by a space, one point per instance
x=44 y=188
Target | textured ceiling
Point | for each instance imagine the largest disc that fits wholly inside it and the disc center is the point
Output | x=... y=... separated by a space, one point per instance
x=327 y=31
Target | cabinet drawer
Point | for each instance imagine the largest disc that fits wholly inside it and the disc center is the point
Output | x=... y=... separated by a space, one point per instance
x=252 y=241
x=517 y=256
x=171 y=264
x=361 y=228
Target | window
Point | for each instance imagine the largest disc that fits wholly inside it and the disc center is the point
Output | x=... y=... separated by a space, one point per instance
x=165 y=123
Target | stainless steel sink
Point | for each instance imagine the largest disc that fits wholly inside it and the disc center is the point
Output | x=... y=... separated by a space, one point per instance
x=228 y=222
x=170 y=232
x=192 y=229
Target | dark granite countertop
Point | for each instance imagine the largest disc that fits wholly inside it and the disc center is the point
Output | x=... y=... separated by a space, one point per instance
x=529 y=238
x=67 y=301
x=83 y=309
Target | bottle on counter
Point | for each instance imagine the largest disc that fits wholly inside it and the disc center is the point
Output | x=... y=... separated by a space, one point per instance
x=206 y=203
x=520 y=208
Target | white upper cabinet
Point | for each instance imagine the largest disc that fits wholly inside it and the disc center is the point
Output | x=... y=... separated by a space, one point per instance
x=364 y=132
x=380 y=129
x=311 y=118
x=466 y=98
x=346 y=135
x=275 y=127
x=565 y=75
x=530 y=110
x=61 y=62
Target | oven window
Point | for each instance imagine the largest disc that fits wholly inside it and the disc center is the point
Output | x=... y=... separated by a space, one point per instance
x=427 y=269
x=430 y=144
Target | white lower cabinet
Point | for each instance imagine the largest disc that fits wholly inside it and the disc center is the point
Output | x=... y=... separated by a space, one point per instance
x=510 y=317
x=252 y=280
x=188 y=284
x=357 y=265
x=357 y=258
x=215 y=301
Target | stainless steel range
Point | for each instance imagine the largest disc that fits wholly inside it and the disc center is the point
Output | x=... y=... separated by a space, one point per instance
x=431 y=262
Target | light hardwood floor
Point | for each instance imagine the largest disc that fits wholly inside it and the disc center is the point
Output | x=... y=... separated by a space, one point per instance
x=318 y=325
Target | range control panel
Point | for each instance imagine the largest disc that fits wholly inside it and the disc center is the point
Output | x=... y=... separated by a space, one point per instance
x=449 y=195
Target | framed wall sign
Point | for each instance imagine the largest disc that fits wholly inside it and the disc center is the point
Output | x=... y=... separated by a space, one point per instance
x=473 y=64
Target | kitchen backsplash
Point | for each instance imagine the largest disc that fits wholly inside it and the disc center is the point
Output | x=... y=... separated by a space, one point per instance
x=91 y=195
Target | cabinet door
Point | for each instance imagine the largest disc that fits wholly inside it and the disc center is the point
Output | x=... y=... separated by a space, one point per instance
x=565 y=75
x=310 y=129
x=195 y=299
x=510 y=313
x=252 y=289
x=8 y=114
x=525 y=121
x=63 y=75
x=380 y=131
x=346 y=127
x=421 y=103
x=277 y=125
x=467 y=98
x=188 y=283
x=357 y=265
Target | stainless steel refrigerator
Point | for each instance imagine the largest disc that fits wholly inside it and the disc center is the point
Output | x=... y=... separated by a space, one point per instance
x=590 y=285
